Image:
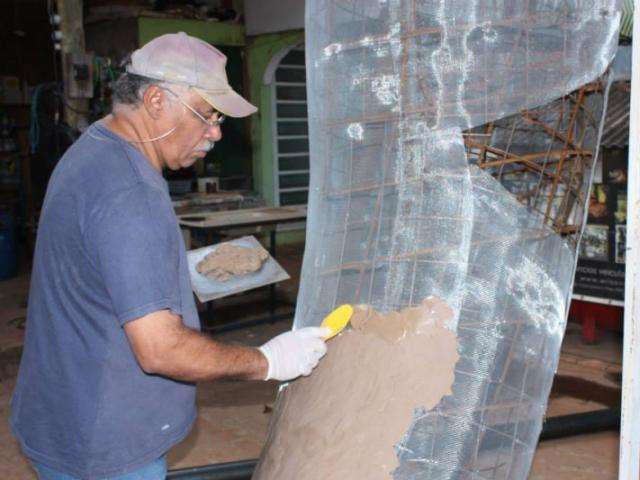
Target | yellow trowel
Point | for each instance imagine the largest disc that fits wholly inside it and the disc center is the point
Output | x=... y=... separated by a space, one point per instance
x=337 y=320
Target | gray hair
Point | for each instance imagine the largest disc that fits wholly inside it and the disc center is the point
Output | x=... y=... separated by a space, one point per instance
x=129 y=88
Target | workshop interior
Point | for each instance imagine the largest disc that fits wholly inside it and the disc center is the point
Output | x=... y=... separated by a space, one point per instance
x=439 y=187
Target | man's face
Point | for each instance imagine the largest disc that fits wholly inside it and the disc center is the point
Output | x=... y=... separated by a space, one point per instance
x=192 y=138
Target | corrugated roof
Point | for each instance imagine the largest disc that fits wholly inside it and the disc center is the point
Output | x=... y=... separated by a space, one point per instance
x=626 y=23
x=615 y=133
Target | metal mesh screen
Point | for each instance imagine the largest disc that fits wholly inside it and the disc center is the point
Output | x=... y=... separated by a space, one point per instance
x=452 y=144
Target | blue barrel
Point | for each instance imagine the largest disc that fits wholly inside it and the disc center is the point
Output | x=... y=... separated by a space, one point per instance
x=8 y=248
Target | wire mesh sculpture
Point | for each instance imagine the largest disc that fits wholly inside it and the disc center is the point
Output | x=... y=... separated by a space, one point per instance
x=452 y=144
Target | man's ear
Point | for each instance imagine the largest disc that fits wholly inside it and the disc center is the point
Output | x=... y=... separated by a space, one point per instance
x=154 y=100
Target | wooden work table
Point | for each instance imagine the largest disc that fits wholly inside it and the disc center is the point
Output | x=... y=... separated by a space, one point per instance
x=217 y=224
x=243 y=218
x=210 y=202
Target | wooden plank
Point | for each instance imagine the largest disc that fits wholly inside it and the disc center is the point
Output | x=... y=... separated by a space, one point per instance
x=202 y=199
x=244 y=217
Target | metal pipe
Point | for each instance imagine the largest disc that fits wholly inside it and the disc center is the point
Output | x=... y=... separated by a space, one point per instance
x=218 y=471
x=580 y=424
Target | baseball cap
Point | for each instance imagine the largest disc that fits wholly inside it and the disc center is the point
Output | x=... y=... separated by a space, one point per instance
x=180 y=58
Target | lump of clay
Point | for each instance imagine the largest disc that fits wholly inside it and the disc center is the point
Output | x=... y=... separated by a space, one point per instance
x=344 y=420
x=228 y=261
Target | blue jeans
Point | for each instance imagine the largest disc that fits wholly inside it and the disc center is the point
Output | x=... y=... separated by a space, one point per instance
x=156 y=470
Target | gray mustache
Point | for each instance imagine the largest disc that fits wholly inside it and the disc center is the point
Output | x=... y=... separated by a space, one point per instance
x=206 y=147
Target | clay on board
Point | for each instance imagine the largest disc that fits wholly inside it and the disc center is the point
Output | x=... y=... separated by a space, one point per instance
x=230 y=260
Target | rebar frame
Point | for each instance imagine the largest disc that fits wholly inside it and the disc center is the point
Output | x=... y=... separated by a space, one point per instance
x=556 y=167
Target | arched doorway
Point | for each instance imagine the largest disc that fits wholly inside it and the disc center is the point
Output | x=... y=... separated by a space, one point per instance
x=287 y=77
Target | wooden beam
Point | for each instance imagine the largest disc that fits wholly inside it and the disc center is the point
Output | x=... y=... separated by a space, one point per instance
x=72 y=28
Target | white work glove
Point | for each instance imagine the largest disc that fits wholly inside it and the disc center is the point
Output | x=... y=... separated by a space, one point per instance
x=294 y=353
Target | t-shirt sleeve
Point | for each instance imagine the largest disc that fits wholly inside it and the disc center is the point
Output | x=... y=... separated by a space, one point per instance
x=135 y=243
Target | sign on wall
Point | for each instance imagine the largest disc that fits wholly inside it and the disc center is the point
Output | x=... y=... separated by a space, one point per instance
x=601 y=261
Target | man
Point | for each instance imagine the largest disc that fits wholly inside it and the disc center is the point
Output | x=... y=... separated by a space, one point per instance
x=112 y=351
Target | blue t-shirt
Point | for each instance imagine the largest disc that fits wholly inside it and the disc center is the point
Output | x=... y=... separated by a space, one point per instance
x=109 y=250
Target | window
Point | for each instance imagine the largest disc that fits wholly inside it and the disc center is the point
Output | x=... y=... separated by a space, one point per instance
x=291 y=132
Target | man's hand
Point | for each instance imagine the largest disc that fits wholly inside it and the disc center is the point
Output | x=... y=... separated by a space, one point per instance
x=294 y=353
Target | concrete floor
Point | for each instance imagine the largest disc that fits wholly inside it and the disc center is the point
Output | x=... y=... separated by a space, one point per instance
x=233 y=416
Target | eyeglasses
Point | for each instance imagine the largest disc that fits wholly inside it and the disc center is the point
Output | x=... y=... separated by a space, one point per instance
x=211 y=122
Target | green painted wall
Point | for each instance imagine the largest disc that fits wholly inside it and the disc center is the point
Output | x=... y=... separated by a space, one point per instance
x=216 y=33
x=260 y=50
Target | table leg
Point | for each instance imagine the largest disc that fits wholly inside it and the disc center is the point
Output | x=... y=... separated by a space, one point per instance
x=272 y=242
x=589 y=329
x=272 y=287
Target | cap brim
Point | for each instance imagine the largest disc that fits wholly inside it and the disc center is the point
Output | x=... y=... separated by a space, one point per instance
x=231 y=104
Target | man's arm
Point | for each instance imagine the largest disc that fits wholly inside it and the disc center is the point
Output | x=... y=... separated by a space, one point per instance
x=164 y=346
x=137 y=251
